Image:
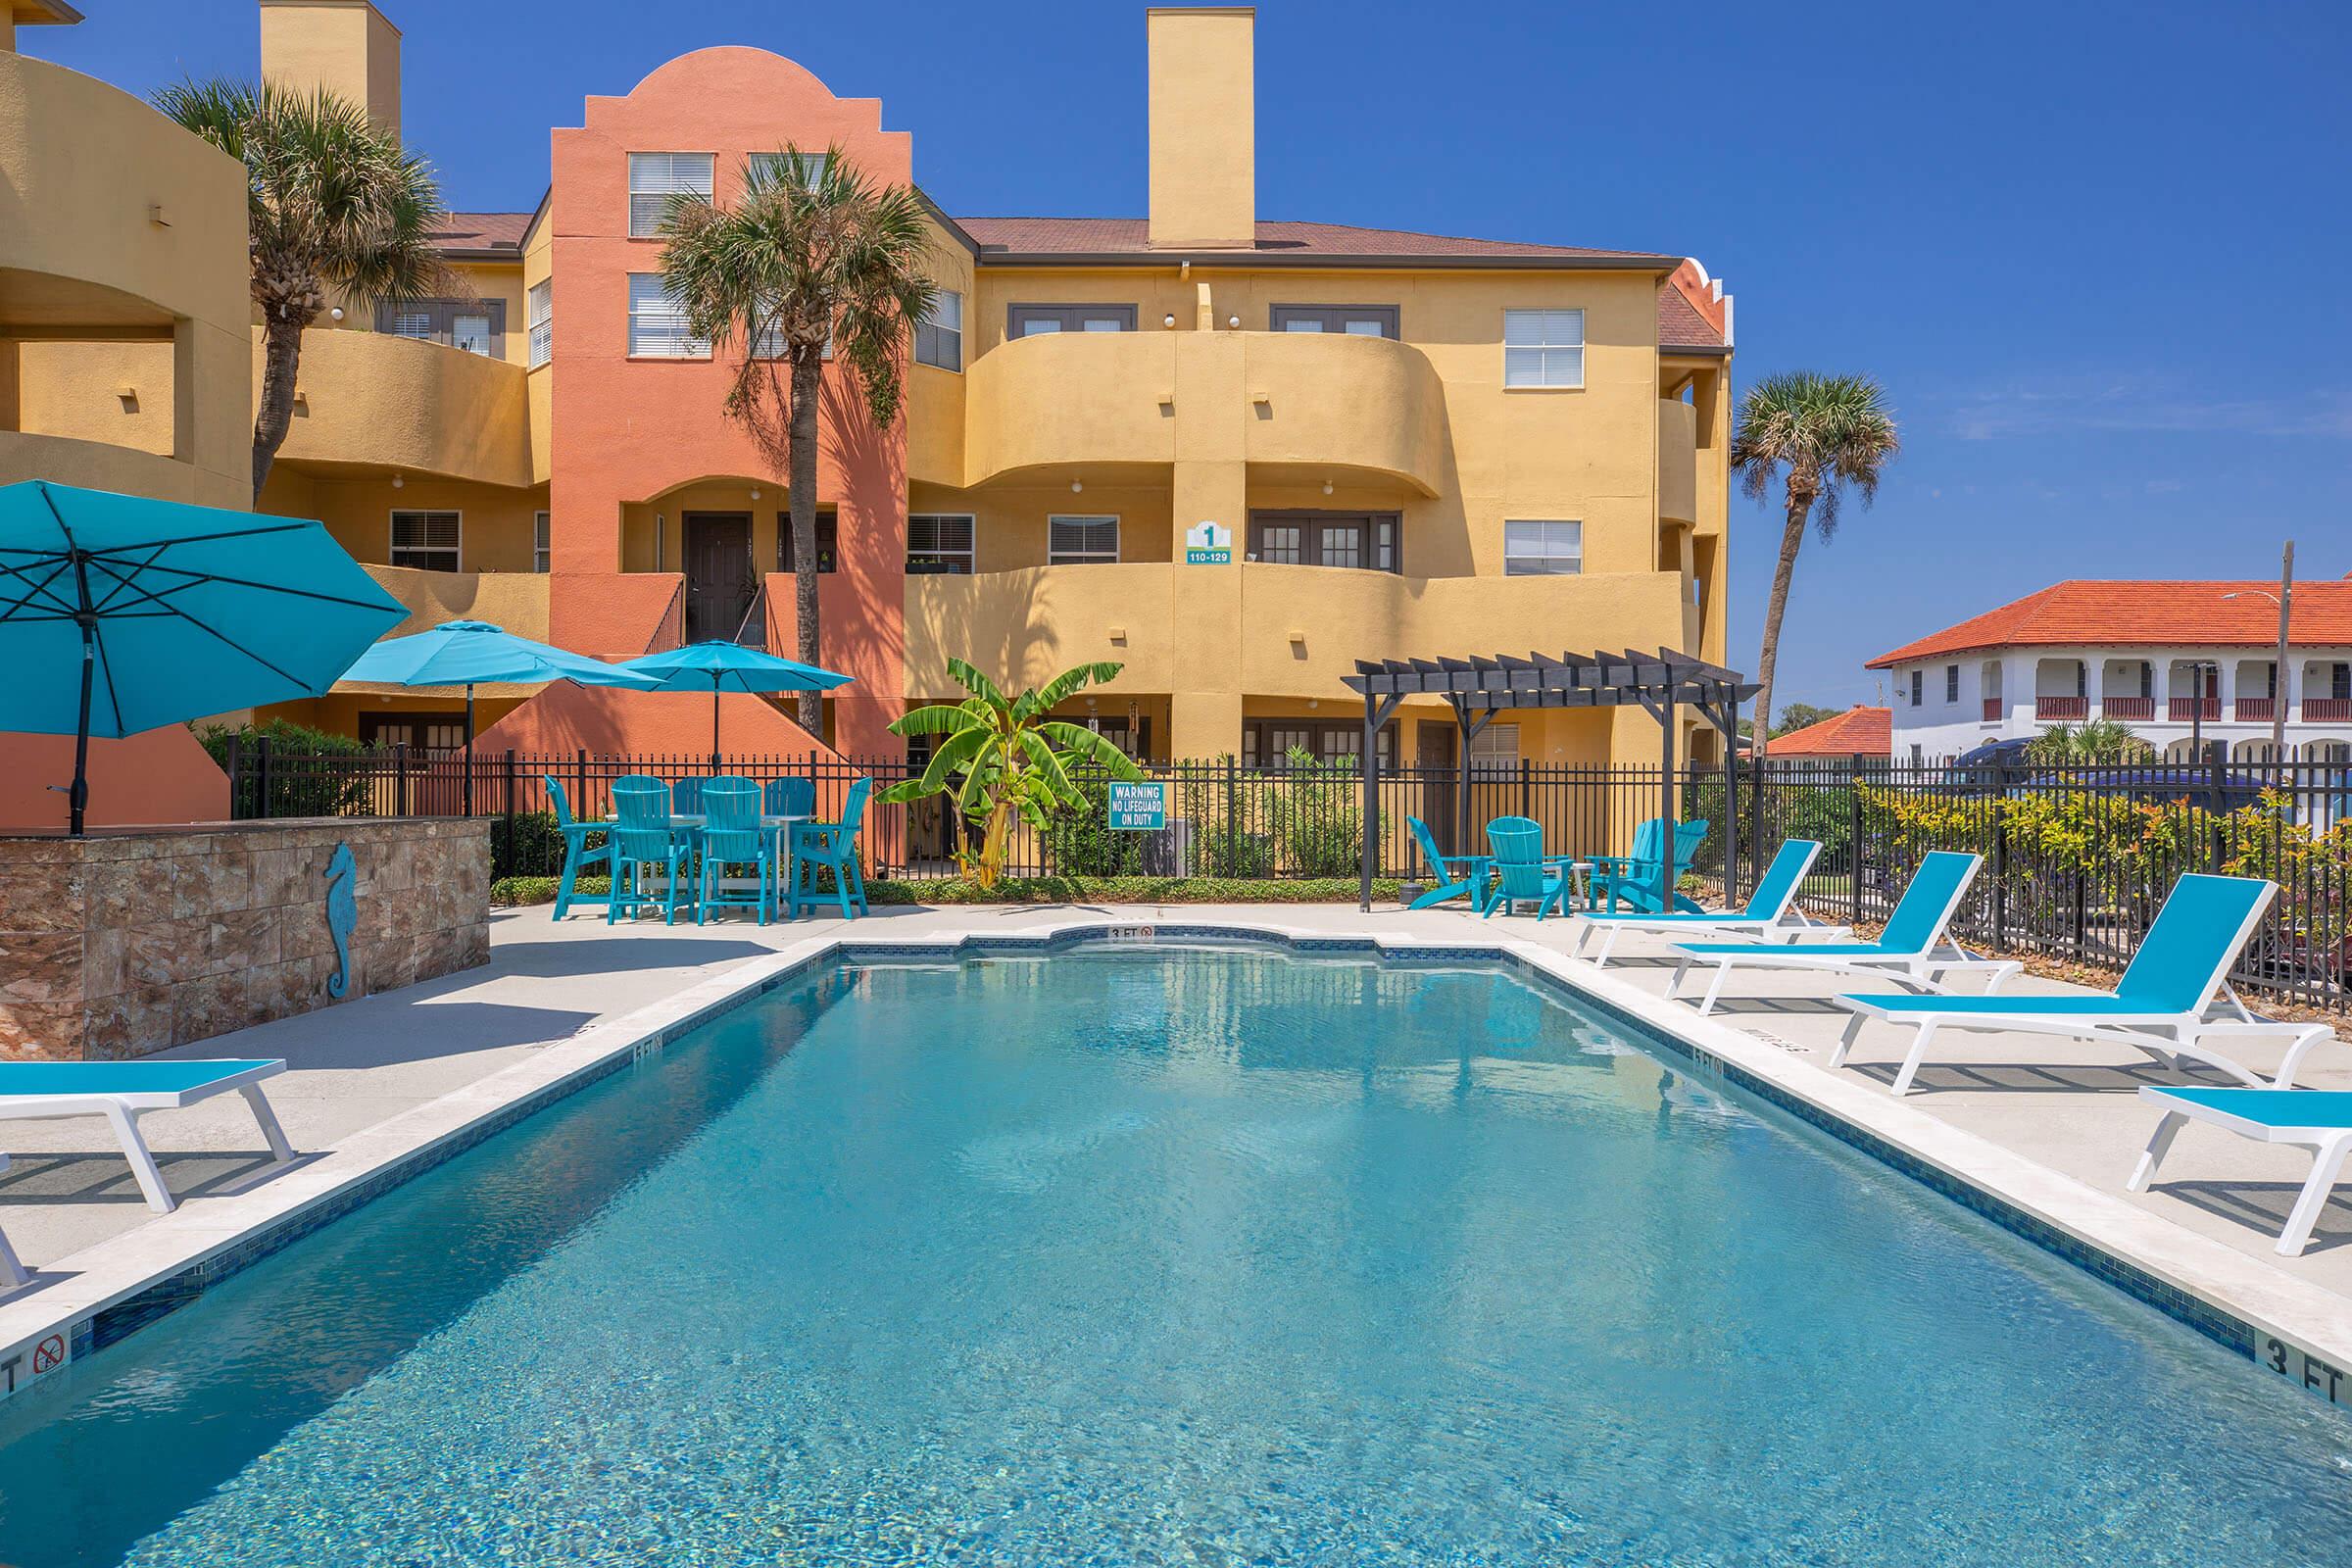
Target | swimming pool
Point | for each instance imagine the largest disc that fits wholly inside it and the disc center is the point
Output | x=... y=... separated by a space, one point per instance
x=1161 y=1255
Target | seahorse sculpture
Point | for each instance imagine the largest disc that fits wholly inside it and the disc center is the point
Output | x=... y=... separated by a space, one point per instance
x=342 y=914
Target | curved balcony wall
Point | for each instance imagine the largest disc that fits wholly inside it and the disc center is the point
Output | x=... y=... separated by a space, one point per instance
x=515 y=600
x=1336 y=401
x=1302 y=627
x=371 y=401
x=1095 y=398
x=126 y=471
x=1678 y=460
x=117 y=226
x=1114 y=401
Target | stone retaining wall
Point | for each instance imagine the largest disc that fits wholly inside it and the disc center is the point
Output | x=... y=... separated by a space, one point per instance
x=134 y=940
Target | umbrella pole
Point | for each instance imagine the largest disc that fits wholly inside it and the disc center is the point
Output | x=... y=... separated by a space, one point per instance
x=80 y=799
x=468 y=748
x=714 y=725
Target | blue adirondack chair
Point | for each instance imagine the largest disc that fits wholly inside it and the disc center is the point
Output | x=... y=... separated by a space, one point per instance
x=733 y=836
x=1451 y=883
x=686 y=796
x=645 y=834
x=792 y=796
x=1523 y=873
x=576 y=852
x=1634 y=877
x=831 y=846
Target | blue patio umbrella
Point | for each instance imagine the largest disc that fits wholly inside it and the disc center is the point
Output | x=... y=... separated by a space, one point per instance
x=120 y=613
x=466 y=653
x=723 y=667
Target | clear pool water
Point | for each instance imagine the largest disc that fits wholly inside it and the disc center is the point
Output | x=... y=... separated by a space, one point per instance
x=1167 y=1257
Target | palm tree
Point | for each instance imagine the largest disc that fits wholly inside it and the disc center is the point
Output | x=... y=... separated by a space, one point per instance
x=1007 y=758
x=814 y=260
x=333 y=204
x=1825 y=433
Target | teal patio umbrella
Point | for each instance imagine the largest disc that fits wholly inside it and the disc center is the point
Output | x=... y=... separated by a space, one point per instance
x=120 y=613
x=723 y=667
x=466 y=653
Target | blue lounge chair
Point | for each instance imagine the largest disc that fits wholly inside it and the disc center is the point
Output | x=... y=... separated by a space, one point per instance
x=1768 y=915
x=576 y=852
x=2172 y=999
x=1634 y=877
x=1523 y=873
x=645 y=834
x=1449 y=883
x=1913 y=949
x=831 y=846
x=125 y=1091
x=733 y=836
x=2320 y=1120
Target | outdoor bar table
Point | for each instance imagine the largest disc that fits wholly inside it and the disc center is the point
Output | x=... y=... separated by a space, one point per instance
x=779 y=825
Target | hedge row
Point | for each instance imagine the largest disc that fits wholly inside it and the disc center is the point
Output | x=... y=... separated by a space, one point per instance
x=517 y=890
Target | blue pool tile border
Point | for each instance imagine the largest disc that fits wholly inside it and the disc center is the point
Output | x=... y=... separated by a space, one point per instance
x=111 y=1324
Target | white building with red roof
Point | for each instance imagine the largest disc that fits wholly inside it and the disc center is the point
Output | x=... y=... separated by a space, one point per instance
x=2176 y=663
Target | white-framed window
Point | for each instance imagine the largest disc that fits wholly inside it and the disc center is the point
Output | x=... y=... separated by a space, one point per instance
x=408 y=322
x=939 y=544
x=657 y=322
x=539 y=542
x=1543 y=348
x=470 y=334
x=1918 y=681
x=812 y=165
x=654 y=177
x=1532 y=548
x=1952 y=683
x=1494 y=752
x=939 y=336
x=427 y=540
x=1073 y=541
x=540 y=303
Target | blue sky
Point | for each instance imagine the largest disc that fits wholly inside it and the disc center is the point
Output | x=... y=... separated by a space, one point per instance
x=2096 y=254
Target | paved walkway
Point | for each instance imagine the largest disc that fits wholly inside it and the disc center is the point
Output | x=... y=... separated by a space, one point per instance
x=2068 y=1107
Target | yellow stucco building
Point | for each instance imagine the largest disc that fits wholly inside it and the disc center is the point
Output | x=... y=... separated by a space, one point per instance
x=1234 y=454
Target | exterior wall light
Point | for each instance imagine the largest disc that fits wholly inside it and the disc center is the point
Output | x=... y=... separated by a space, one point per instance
x=1233 y=320
x=398 y=481
x=1077 y=486
x=1168 y=319
x=336 y=314
x=1327 y=487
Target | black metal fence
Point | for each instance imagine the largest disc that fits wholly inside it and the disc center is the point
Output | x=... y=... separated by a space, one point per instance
x=2077 y=859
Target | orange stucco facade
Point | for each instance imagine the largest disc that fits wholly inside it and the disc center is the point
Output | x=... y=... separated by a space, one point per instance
x=636 y=431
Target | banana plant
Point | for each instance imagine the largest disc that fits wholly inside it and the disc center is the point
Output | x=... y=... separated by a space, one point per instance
x=1007 y=759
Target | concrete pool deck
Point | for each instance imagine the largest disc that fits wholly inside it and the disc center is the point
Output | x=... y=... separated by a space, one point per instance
x=2052 y=1126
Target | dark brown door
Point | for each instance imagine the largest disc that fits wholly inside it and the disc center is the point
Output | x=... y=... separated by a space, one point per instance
x=1433 y=746
x=719 y=583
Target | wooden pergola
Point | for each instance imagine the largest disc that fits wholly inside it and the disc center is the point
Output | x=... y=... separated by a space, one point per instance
x=1479 y=688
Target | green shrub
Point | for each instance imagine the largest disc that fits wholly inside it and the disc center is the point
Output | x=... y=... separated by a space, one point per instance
x=526 y=844
x=1316 y=813
x=1080 y=840
x=316 y=780
x=522 y=889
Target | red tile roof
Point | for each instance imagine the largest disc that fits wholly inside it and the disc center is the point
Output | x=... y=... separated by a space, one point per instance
x=2190 y=614
x=470 y=233
x=1681 y=326
x=1131 y=236
x=1859 y=731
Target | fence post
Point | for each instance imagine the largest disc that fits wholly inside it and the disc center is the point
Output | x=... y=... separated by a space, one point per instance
x=262 y=779
x=399 y=793
x=1853 y=834
x=1233 y=813
x=235 y=766
x=2217 y=805
x=511 y=869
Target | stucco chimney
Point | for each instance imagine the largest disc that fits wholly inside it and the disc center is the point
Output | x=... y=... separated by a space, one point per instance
x=1203 y=126
x=344 y=46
